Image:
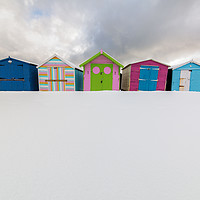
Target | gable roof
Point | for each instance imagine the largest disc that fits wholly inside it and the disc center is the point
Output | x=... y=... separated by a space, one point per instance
x=64 y=61
x=146 y=61
x=99 y=54
x=180 y=65
x=11 y=58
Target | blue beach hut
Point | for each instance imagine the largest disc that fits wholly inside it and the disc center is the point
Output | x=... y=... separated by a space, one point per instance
x=18 y=75
x=186 y=77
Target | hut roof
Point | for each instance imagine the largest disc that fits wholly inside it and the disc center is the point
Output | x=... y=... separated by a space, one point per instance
x=65 y=61
x=99 y=54
x=12 y=58
x=180 y=65
x=146 y=61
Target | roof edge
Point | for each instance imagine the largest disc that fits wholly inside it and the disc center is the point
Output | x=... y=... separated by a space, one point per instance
x=64 y=61
x=145 y=61
x=9 y=57
x=97 y=55
x=180 y=65
x=90 y=59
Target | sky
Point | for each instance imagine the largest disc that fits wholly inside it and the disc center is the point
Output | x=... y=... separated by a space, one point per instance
x=129 y=30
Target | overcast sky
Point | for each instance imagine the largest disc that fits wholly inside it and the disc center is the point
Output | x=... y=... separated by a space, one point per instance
x=129 y=30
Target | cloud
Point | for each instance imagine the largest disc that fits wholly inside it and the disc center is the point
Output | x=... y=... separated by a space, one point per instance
x=129 y=30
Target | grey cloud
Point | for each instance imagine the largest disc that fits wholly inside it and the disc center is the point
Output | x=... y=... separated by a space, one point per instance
x=130 y=30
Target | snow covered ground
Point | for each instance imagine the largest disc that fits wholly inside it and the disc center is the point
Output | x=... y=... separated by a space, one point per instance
x=99 y=146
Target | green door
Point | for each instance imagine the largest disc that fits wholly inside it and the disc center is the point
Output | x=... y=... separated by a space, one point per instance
x=101 y=77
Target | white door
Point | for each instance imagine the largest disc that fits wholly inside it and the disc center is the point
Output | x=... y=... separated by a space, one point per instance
x=185 y=80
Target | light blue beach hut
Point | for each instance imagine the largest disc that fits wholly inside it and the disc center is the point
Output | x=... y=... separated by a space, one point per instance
x=186 y=77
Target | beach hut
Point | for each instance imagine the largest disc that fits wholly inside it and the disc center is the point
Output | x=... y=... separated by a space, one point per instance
x=57 y=74
x=101 y=72
x=18 y=75
x=148 y=75
x=186 y=77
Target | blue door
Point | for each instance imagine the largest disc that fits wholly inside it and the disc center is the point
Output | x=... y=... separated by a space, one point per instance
x=144 y=78
x=148 y=78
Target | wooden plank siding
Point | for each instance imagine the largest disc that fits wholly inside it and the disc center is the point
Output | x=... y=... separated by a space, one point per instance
x=126 y=75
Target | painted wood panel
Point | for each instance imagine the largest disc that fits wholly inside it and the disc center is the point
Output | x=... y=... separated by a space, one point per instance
x=134 y=79
x=176 y=80
x=43 y=76
x=184 y=80
x=87 y=74
x=116 y=77
x=195 y=80
x=125 y=85
x=162 y=78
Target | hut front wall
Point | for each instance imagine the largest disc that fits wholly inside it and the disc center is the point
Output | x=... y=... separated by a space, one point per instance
x=135 y=75
x=194 y=77
x=17 y=76
x=101 y=60
x=56 y=76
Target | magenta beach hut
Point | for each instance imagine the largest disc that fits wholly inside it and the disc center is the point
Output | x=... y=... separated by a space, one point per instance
x=148 y=75
x=101 y=72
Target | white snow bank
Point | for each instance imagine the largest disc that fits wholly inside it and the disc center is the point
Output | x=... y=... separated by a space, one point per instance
x=99 y=146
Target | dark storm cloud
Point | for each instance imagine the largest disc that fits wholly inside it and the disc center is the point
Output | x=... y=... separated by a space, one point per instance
x=130 y=30
x=158 y=29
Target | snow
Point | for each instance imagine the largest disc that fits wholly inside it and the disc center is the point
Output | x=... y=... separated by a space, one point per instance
x=99 y=145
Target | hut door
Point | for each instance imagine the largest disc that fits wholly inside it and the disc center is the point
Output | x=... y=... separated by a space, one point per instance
x=185 y=80
x=56 y=79
x=101 y=77
x=148 y=78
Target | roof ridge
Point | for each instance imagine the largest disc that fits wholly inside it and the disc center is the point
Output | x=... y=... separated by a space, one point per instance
x=64 y=61
x=9 y=57
x=185 y=63
x=97 y=55
x=146 y=61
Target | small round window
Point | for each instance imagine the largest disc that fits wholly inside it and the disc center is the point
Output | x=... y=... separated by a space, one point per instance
x=107 y=70
x=96 y=70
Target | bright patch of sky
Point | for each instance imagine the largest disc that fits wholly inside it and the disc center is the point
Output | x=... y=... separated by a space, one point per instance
x=36 y=13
